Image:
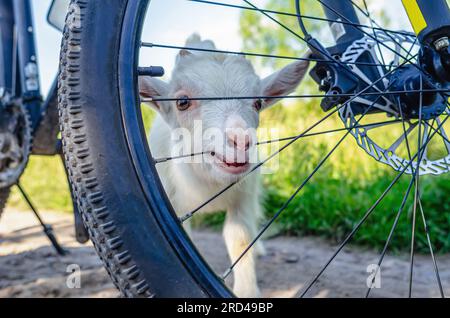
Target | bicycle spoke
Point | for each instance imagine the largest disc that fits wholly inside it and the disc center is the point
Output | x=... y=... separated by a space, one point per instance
x=426 y=133
x=188 y=215
x=265 y=142
x=373 y=31
x=194 y=154
x=190 y=48
x=366 y=126
x=391 y=232
x=403 y=137
x=405 y=198
x=305 y=96
x=440 y=133
x=405 y=131
x=369 y=35
x=359 y=224
x=427 y=233
x=370 y=90
x=394 y=226
x=444 y=136
x=326 y=53
x=319 y=49
x=307 y=17
x=277 y=22
x=430 y=246
x=352 y=233
x=373 y=22
x=296 y=192
x=416 y=191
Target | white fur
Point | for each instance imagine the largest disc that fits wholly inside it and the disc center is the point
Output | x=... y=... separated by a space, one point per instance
x=190 y=184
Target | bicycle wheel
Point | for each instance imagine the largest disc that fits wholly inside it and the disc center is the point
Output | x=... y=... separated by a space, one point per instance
x=160 y=262
x=115 y=179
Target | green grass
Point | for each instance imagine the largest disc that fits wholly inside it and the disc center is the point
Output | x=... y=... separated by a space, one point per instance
x=348 y=184
x=344 y=189
x=329 y=206
x=45 y=182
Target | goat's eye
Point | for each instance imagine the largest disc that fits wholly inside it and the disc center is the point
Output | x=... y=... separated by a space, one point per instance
x=183 y=103
x=258 y=105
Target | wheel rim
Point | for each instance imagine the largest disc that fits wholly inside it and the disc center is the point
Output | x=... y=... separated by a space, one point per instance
x=140 y=154
x=170 y=222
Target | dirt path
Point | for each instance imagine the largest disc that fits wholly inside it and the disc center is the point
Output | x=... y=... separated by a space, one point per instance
x=30 y=268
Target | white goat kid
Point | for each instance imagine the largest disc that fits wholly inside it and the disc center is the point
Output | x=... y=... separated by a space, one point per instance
x=189 y=184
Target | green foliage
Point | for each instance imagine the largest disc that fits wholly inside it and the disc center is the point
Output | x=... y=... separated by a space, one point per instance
x=45 y=181
x=336 y=198
x=349 y=183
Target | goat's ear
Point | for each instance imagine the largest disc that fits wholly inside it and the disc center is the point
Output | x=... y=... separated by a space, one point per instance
x=184 y=53
x=283 y=82
x=150 y=87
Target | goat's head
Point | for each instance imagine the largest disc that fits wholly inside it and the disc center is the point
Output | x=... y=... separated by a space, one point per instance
x=214 y=78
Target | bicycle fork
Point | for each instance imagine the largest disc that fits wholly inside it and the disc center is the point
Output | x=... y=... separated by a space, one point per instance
x=430 y=20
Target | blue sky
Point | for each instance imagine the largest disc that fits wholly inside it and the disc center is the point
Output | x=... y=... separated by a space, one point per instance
x=169 y=22
x=172 y=27
x=173 y=21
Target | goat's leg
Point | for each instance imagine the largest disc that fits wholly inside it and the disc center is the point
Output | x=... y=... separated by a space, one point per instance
x=259 y=247
x=237 y=232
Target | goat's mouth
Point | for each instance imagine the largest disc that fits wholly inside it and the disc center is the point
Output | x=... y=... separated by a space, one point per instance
x=232 y=167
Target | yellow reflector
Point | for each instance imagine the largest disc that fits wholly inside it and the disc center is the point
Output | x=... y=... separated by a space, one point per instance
x=415 y=15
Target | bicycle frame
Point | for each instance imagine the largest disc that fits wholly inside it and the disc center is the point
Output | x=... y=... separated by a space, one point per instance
x=19 y=82
x=19 y=72
x=430 y=19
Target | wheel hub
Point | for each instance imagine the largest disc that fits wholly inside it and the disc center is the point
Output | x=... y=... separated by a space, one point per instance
x=389 y=150
x=410 y=80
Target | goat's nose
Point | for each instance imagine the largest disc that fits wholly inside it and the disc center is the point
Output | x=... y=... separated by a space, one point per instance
x=237 y=134
x=239 y=140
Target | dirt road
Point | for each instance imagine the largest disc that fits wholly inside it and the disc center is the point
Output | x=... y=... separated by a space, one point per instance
x=30 y=268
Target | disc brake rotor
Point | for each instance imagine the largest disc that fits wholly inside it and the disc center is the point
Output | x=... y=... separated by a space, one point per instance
x=365 y=136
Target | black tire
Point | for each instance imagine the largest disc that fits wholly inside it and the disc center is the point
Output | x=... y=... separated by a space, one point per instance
x=4 y=195
x=129 y=219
